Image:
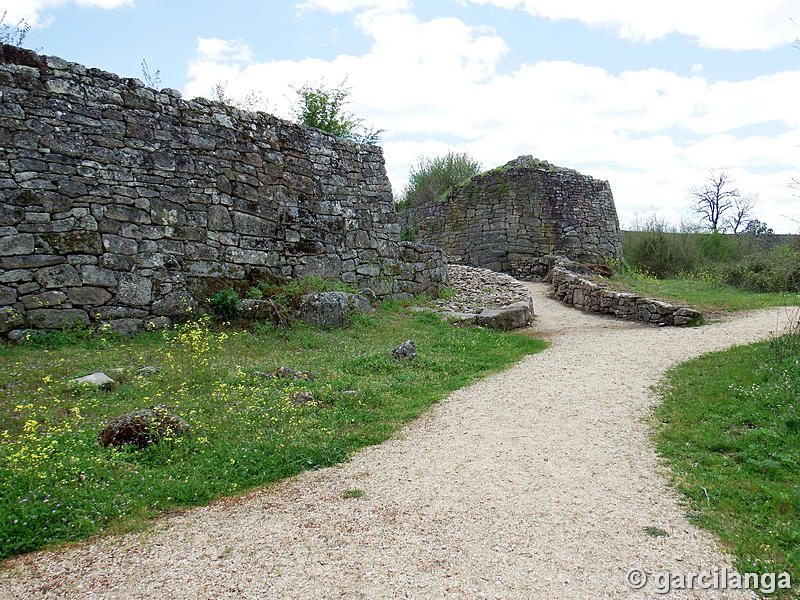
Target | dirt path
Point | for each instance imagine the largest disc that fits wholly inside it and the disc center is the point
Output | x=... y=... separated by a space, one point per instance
x=534 y=483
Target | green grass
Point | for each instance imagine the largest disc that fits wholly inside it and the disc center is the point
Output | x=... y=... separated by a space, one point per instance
x=353 y=494
x=58 y=485
x=704 y=295
x=729 y=429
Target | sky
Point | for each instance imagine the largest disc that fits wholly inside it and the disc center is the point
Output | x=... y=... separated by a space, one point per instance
x=651 y=96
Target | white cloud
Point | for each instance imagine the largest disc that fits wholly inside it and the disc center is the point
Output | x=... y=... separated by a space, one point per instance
x=651 y=133
x=713 y=23
x=340 y=6
x=31 y=10
x=214 y=49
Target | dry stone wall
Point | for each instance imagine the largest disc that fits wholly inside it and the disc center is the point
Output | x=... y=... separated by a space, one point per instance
x=573 y=286
x=505 y=219
x=123 y=203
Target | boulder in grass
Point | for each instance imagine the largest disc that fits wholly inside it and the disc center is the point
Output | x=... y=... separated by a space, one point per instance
x=302 y=398
x=407 y=351
x=331 y=309
x=96 y=379
x=294 y=374
x=142 y=428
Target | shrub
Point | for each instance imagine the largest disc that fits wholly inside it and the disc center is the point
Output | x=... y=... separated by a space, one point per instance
x=324 y=108
x=718 y=247
x=225 y=303
x=432 y=178
x=776 y=271
x=661 y=253
x=288 y=293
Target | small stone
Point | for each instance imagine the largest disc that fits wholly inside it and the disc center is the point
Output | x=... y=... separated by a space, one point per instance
x=10 y=318
x=301 y=398
x=147 y=371
x=142 y=428
x=289 y=373
x=407 y=350
x=20 y=335
x=97 y=379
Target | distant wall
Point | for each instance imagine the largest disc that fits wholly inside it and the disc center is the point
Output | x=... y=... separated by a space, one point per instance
x=122 y=202
x=505 y=219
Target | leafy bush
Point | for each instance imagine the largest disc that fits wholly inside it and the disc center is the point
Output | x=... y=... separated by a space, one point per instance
x=776 y=271
x=742 y=261
x=226 y=303
x=432 y=178
x=661 y=253
x=289 y=292
x=324 y=108
x=718 y=247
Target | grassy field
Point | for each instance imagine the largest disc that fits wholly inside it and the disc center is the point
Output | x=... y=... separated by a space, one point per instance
x=729 y=428
x=57 y=484
x=706 y=296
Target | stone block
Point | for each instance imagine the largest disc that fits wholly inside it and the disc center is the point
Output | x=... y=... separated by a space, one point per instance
x=331 y=308
x=119 y=245
x=43 y=300
x=88 y=296
x=134 y=290
x=12 y=245
x=8 y=295
x=97 y=276
x=219 y=219
x=125 y=327
x=10 y=318
x=59 y=276
x=53 y=318
x=74 y=242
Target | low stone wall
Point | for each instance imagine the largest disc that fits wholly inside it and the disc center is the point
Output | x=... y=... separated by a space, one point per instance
x=578 y=289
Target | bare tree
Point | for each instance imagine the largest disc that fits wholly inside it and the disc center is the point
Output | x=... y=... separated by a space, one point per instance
x=742 y=206
x=714 y=198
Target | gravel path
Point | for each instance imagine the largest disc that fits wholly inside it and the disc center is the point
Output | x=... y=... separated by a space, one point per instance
x=533 y=483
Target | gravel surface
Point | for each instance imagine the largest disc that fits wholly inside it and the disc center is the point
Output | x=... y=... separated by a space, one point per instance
x=533 y=483
x=478 y=288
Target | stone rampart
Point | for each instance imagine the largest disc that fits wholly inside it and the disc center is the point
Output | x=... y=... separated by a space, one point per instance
x=506 y=218
x=122 y=202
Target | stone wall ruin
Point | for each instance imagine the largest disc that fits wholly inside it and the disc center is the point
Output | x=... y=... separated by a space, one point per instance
x=508 y=217
x=120 y=202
